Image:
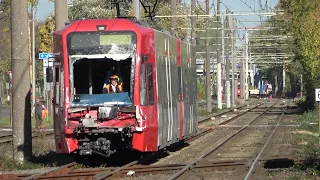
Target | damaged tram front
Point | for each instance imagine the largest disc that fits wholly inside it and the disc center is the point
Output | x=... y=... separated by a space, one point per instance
x=88 y=118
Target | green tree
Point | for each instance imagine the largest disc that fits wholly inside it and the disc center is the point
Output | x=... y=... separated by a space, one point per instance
x=5 y=39
x=91 y=9
x=303 y=20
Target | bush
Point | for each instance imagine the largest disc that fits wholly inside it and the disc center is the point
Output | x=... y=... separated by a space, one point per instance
x=201 y=89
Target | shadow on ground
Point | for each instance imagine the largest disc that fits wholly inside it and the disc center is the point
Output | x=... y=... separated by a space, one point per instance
x=118 y=159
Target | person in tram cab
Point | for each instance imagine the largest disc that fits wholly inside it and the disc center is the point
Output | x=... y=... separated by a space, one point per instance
x=114 y=85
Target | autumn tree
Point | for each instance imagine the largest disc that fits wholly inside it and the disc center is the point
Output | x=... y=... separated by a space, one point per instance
x=5 y=42
x=303 y=18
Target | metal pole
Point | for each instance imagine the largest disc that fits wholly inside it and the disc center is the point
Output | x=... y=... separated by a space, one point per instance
x=242 y=75
x=234 y=66
x=223 y=57
x=208 y=76
x=247 y=67
x=21 y=104
x=61 y=13
x=33 y=57
x=193 y=22
x=219 y=88
x=228 y=87
x=173 y=19
x=44 y=78
x=251 y=69
x=137 y=9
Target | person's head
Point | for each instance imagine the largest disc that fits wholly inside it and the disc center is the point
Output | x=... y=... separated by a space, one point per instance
x=114 y=80
x=38 y=100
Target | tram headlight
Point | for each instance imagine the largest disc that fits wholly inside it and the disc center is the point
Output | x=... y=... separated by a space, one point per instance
x=101 y=27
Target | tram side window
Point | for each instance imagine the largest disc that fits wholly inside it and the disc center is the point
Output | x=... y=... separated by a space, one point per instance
x=150 y=84
x=57 y=74
x=143 y=99
x=61 y=90
x=57 y=85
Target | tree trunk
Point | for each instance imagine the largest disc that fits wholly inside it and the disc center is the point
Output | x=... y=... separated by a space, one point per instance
x=20 y=67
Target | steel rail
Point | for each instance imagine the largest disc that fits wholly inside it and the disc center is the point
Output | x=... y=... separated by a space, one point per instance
x=225 y=112
x=211 y=128
x=141 y=170
x=190 y=165
x=261 y=151
x=52 y=171
x=110 y=172
x=230 y=111
x=9 y=138
x=104 y=175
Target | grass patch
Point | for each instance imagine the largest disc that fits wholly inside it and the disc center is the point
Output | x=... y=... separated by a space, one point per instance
x=83 y=166
x=48 y=123
x=40 y=147
x=5 y=122
x=308 y=136
x=203 y=111
x=8 y=164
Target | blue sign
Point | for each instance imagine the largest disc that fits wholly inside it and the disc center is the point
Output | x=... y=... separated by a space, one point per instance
x=46 y=55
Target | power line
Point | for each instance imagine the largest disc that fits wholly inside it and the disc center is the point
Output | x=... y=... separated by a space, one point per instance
x=248 y=6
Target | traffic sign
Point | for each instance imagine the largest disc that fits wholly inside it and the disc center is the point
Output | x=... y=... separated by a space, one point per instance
x=317 y=95
x=46 y=55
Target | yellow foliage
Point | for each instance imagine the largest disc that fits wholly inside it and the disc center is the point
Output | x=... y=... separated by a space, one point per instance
x=45 y=33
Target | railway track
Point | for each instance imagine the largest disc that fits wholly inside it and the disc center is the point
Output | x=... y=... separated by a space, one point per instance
x=140 y=170
x=231 y=110
x=252 y=163
x=67 y=171
x=221 y=143
x=5 y=139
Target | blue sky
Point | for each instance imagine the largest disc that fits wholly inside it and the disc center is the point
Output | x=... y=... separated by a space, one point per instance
x=45 y=7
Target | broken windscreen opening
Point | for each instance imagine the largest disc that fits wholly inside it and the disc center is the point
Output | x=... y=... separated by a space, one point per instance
x=101 y=42
x=93 y=58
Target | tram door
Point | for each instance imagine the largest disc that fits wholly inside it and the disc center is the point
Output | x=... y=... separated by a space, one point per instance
x=58 y=101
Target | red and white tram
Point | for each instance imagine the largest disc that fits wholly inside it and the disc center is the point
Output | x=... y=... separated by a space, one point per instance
x=158 y=105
